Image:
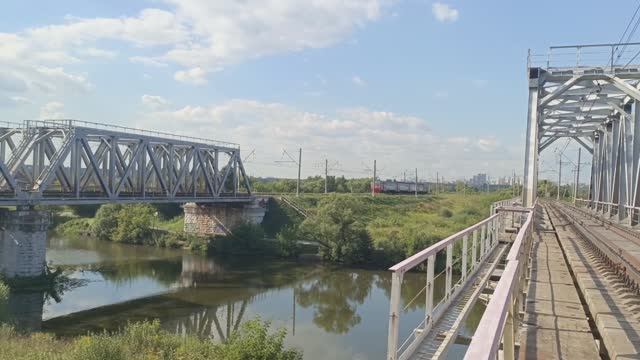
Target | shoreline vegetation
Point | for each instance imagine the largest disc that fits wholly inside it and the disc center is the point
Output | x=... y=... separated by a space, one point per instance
x=344 y=229
x=142 y=340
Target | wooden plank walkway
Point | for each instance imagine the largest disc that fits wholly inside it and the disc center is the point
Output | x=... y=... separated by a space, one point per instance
x=555 y=324
x=615 y=310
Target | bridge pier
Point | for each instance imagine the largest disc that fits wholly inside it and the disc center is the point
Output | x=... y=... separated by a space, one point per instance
x=23 y=242
x=220 y=219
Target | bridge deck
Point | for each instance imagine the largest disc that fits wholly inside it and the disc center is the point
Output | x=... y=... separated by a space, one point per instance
x=555 y=324
x=614 y=308
x=446 y=329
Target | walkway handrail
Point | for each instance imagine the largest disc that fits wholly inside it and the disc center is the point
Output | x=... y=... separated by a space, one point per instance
x=417 y=259
x=498 y=322
x=484 y=240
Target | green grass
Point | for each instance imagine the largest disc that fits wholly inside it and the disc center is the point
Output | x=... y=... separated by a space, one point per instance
x=172 y=225
x=400 y=226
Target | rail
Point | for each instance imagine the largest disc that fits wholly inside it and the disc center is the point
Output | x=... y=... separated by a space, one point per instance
x=498 y=323
x=483 y=240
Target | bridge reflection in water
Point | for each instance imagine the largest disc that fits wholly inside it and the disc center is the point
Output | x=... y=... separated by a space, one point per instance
x=321 y=307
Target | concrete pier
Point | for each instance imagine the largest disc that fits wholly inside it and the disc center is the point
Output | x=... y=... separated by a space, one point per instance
x=220 y=219
x=23 y=242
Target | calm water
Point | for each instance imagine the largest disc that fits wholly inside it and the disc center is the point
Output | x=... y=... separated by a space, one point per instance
x=330 y=313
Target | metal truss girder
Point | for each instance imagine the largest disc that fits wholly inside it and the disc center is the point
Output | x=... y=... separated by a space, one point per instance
x=110 y=165
x=584 y=144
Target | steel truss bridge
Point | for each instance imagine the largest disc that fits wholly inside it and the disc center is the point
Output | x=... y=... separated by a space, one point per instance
x=591 y=94
x=559 y=281
x=60 y=162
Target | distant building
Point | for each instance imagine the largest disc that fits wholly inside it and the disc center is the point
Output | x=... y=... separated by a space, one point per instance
x=479 y=181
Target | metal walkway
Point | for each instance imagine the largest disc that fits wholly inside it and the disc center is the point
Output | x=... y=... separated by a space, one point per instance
x=445 y=330
x=478 y=250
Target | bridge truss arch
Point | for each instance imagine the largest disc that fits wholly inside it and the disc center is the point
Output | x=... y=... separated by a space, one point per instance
x=591 y=94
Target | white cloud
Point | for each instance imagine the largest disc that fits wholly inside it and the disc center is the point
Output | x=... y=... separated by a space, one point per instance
x=20 y=100
x=195 y=76
x=444 y=12
x=487 y=144
x=356 y=80
x=11 y=83
x=98 y=53
x=201 y=36
x=154 y=102
x=52 y=110
x=147 y=61
x=351 y=135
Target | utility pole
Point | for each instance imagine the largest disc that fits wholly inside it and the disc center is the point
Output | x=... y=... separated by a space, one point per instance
x=575 y=190
x=416 y=182
x=559 y=177
x=405 y=176
x=326 y=172
x=299 y=166
x=373 y=183
x=437 y=182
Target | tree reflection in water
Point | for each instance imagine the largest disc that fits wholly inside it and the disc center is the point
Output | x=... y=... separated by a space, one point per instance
x=336 y=295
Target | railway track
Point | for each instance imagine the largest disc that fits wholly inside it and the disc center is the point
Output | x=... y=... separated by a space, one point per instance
x=616 y=246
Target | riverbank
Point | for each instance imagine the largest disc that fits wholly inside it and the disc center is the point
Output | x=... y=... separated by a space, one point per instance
x=143 y=340
x=351 y=229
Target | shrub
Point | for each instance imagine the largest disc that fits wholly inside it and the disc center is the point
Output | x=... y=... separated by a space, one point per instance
x=4 y=297
x=445 y=213
x=336 y=227
x=105 y=223
x=87 y=211
x=75 y=227
x=287 y=240
x=248 y=236
x=255 y=342
x=134 y=223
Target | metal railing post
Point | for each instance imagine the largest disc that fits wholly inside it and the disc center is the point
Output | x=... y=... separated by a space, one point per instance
x=429 y=291
x=474 y=249
x=508 y=337
x=465 y=240
x=394 y=315
x=449 y=278
x=483 y=237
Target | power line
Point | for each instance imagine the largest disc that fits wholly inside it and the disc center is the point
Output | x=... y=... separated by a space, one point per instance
x=635 y=13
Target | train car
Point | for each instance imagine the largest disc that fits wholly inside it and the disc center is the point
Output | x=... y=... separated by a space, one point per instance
x=399 y=187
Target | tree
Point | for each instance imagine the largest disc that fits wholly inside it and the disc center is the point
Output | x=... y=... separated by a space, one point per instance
x=134 y=223
x=342 y=235
x=106 y=221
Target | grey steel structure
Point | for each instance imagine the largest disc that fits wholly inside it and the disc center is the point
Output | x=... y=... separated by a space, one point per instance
x=589 y=93
x=74 y=162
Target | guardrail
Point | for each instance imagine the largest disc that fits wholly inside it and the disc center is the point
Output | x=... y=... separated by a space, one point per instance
x=483 y=240
x=498 y=324
x=70 y=123
x=609 y=58
x=632 y=213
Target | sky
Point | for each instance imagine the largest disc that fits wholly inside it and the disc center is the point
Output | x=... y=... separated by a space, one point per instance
x=435 y=85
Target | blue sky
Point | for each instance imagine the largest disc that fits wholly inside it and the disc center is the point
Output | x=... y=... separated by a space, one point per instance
x=412 y=83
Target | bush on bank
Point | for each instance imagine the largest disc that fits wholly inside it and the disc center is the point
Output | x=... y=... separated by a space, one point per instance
x=147 y=340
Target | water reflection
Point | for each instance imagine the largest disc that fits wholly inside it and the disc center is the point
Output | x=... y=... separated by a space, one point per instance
x=322 y=307
x=335 y=296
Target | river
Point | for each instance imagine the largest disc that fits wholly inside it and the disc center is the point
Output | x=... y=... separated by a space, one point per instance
x=328 y=312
